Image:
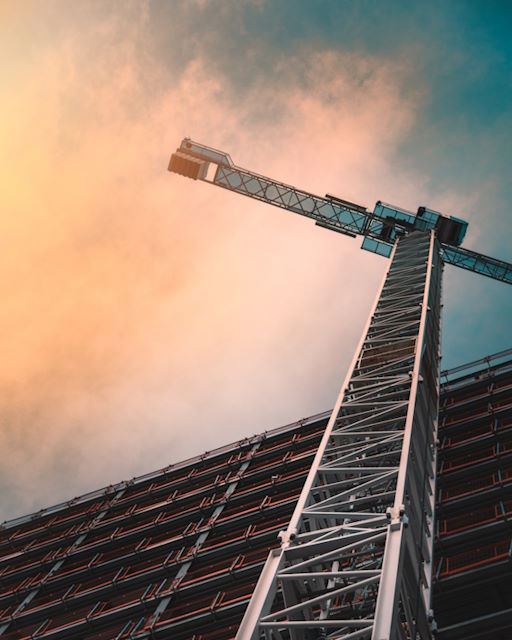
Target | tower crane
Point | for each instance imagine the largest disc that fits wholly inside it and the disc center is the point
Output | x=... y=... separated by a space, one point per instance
x=356 y=558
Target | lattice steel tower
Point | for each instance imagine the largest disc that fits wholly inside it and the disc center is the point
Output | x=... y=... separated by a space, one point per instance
x=356 y=558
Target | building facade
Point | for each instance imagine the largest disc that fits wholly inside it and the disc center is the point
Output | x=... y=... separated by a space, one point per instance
x=177 y=553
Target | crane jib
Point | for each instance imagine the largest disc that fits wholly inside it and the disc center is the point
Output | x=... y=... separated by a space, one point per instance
x=380 y=228
x=478 y=263
x=292 y=199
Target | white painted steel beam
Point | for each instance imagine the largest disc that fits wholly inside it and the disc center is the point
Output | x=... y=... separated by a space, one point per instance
x=355 y=560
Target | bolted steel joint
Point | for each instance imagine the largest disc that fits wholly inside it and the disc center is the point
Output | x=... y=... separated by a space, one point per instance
x=286 y=538
x=397 y=517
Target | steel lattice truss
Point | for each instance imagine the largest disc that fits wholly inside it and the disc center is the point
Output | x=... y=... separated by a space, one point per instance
x=355 y=561
x=342 y=218
x=333 y=213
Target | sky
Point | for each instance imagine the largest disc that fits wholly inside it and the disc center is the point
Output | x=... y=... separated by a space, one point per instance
x=147 y=318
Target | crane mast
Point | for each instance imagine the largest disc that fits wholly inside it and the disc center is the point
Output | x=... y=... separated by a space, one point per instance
x=356 y=558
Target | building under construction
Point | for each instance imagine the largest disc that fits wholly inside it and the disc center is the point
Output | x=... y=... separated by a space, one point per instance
x=177 y=553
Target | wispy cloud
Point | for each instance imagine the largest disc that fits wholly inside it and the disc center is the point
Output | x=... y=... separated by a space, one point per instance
x=147 y=318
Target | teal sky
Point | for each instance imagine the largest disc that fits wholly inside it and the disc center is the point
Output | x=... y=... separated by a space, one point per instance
x=147 y=318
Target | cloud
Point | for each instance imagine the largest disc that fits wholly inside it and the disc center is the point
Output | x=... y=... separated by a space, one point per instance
x=145 y=317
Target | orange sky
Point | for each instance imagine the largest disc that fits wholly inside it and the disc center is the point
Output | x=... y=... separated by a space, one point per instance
x=146 y=318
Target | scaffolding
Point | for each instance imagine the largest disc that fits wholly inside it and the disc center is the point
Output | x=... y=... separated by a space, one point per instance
x=473 y=595
x=98 y=566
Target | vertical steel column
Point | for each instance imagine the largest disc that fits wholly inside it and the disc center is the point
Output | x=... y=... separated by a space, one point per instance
x=355 y=561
